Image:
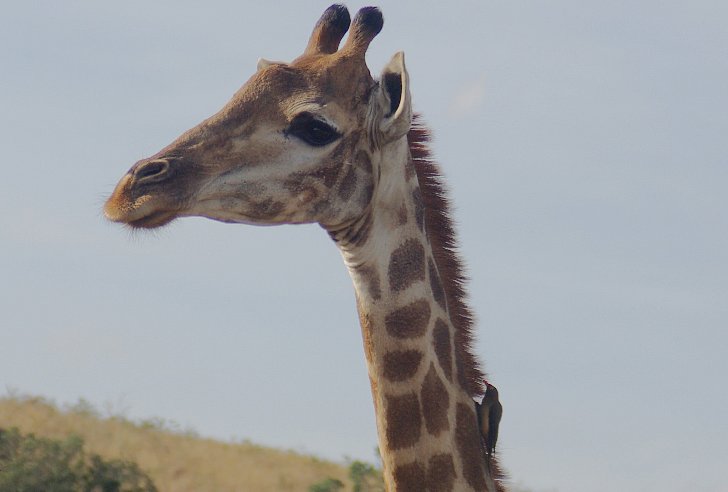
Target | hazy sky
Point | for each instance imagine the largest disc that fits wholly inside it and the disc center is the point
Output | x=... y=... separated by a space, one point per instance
x=586 y=147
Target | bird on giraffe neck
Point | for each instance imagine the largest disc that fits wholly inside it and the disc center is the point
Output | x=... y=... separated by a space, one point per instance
x=489 y=412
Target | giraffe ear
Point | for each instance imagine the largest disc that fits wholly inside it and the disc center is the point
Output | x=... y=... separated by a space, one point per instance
x=263 y=63
x=395 y=99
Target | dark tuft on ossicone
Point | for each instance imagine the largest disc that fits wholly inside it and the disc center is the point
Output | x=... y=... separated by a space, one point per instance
x=371 y=20
x=328 y=31
x=337 y=19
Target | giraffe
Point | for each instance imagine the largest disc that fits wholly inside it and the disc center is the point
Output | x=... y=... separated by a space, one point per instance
x=318 y=140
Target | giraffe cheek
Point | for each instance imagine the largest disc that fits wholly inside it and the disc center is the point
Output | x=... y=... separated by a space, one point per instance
x=310 y=205
x=306 y=196
x=267 y=210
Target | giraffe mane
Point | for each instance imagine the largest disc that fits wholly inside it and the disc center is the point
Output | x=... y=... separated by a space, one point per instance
x=442 y=235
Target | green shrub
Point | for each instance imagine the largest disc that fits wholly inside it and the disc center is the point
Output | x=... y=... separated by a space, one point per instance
x=33 y=464
x=366 y=477
x=327 y=485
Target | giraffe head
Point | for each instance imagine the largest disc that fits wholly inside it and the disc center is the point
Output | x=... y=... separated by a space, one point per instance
x=297 y=143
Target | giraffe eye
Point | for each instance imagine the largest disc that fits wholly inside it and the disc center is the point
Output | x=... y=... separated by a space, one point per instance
x=312 y=130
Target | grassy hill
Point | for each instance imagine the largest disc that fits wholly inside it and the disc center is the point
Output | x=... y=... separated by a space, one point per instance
x=177 y=461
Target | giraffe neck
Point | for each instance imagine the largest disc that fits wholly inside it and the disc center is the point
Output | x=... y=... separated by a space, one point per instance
x=425 y=417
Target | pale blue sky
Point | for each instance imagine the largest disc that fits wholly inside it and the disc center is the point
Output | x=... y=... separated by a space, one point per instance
x=586 y=146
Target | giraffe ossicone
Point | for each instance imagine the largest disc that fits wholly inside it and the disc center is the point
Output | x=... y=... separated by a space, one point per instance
x=318 y=140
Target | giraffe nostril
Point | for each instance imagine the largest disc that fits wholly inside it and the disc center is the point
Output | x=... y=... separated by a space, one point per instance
x=150 y=170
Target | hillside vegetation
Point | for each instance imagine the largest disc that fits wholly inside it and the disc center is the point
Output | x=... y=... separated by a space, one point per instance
x=175 y=460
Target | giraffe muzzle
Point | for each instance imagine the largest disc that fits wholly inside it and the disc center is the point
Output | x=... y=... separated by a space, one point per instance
x=142 y=198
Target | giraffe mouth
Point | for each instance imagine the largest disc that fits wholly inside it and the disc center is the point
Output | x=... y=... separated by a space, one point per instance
x=143 y=213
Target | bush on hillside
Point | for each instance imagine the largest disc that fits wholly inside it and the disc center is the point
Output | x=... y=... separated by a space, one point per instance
x=29 y=463
x=327 y=485
x=365 y=478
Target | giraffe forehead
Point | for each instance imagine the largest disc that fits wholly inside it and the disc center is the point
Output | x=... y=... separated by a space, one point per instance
x=280 y=92
x=342 y=78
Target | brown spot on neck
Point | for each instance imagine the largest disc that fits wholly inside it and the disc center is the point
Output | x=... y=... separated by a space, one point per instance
x=407 y=265
x=440 y=473
x=467 y=439
x=401 y=365
x=435 y=403
x=403 y=421
x=409 y=321
x=410 y=478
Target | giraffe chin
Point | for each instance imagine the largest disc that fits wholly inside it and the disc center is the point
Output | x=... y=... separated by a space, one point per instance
x=152 y=221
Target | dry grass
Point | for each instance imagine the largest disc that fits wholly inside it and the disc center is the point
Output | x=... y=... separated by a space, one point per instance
x=176 y=461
